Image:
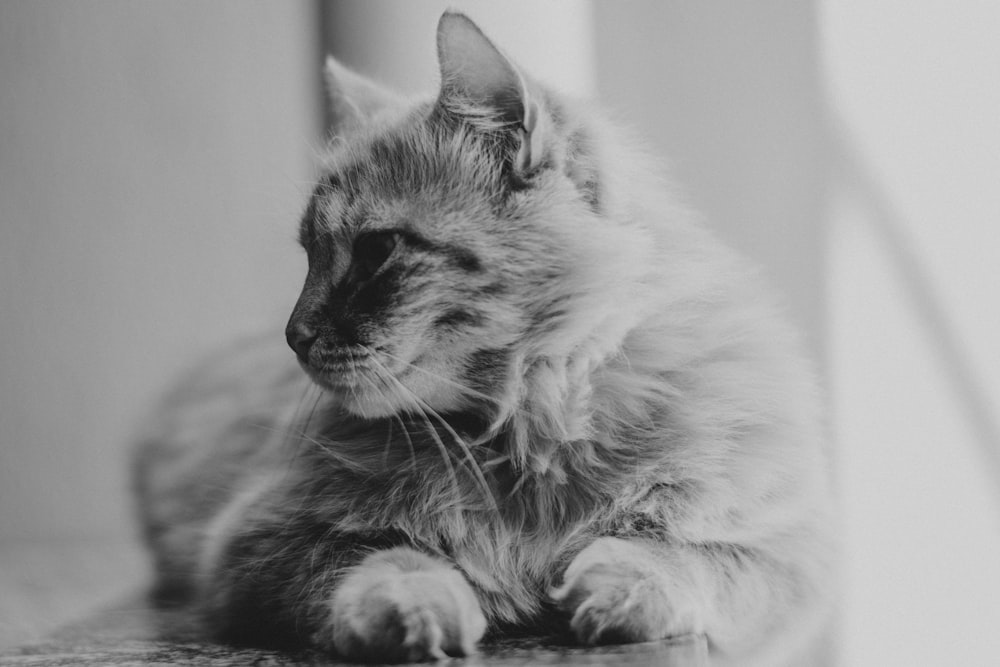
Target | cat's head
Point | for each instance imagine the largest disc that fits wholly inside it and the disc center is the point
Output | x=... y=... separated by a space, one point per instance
x=452 y=242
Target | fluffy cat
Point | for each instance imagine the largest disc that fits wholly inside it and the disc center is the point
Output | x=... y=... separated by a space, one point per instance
x=535 y=390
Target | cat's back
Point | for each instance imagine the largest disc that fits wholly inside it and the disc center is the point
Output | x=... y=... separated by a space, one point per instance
x=223 y=421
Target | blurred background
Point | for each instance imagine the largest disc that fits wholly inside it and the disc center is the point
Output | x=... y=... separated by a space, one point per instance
x=155 y=158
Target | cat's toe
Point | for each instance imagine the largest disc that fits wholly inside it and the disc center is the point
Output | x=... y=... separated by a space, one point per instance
x=406 y=616
x=611 y=600
x=625 y=613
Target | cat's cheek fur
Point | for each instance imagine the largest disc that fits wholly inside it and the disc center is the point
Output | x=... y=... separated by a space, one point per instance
x=400 y=604
x=614 y=593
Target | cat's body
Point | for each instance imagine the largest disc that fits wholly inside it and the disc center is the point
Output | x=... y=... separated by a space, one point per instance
x=548 y=394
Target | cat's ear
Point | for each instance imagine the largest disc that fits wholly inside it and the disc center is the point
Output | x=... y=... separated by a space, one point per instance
x=354 y=99
x=481 y=84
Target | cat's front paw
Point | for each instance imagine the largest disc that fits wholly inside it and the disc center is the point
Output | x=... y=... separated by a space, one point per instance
x=615 y=593
x=400 y=605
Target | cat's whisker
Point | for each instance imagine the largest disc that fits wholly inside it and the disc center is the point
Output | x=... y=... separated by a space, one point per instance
x=383 y=374
x=387 y=447
x=312 y=410
x=326 y=449
x=442 y=449
x=468 y=391
x=474 y=465
x=499 y=403
x=409 y=440
x=289 y=429
x=395 y=416
x=299 y=405
x=382 y=392
x=426 y=409
x=300 y=433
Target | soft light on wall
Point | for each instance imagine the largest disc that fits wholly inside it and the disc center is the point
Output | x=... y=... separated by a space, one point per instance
x=916 y=375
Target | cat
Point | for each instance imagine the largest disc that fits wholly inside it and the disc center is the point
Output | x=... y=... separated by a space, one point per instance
x=526 y=389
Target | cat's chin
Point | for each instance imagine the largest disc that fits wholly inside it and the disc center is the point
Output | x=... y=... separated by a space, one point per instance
x=368 y=406
x=363 y=406
x=357 y=401
x=354 y=399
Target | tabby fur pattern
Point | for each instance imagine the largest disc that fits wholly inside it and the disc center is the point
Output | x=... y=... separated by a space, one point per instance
x=532 y=391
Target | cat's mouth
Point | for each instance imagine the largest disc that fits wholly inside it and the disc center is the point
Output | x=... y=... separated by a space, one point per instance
x=372 y=382
x=339 y=368
x=357 y=378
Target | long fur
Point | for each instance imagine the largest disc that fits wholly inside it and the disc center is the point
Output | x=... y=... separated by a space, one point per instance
x=558 y=379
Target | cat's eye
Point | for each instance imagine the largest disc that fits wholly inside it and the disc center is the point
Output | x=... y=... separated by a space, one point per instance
x=371 y=251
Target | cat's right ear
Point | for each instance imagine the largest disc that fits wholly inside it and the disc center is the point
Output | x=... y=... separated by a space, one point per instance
x=484 y=87
x=354 y=99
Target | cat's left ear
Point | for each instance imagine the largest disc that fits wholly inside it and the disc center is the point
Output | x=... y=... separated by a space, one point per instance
x=481 y=84
x=354 y=99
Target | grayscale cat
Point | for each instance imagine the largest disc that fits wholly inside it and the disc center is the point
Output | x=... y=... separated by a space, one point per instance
x=527 y=389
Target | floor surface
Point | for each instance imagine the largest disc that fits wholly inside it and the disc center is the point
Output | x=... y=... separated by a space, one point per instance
x=49 y=593
x=135 y=634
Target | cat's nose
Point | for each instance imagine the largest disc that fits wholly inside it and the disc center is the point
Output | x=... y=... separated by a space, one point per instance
x=300 y=338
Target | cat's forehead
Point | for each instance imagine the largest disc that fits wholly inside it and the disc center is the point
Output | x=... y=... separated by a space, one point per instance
x=413 y=175
x=341 y=212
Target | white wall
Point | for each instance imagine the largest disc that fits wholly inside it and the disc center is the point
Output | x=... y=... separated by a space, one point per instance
x=153 y=163
x=915 y=324
x=394 y=42
x=729 y=95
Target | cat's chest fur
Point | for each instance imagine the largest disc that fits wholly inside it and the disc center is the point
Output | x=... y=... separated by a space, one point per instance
x=510 y=531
